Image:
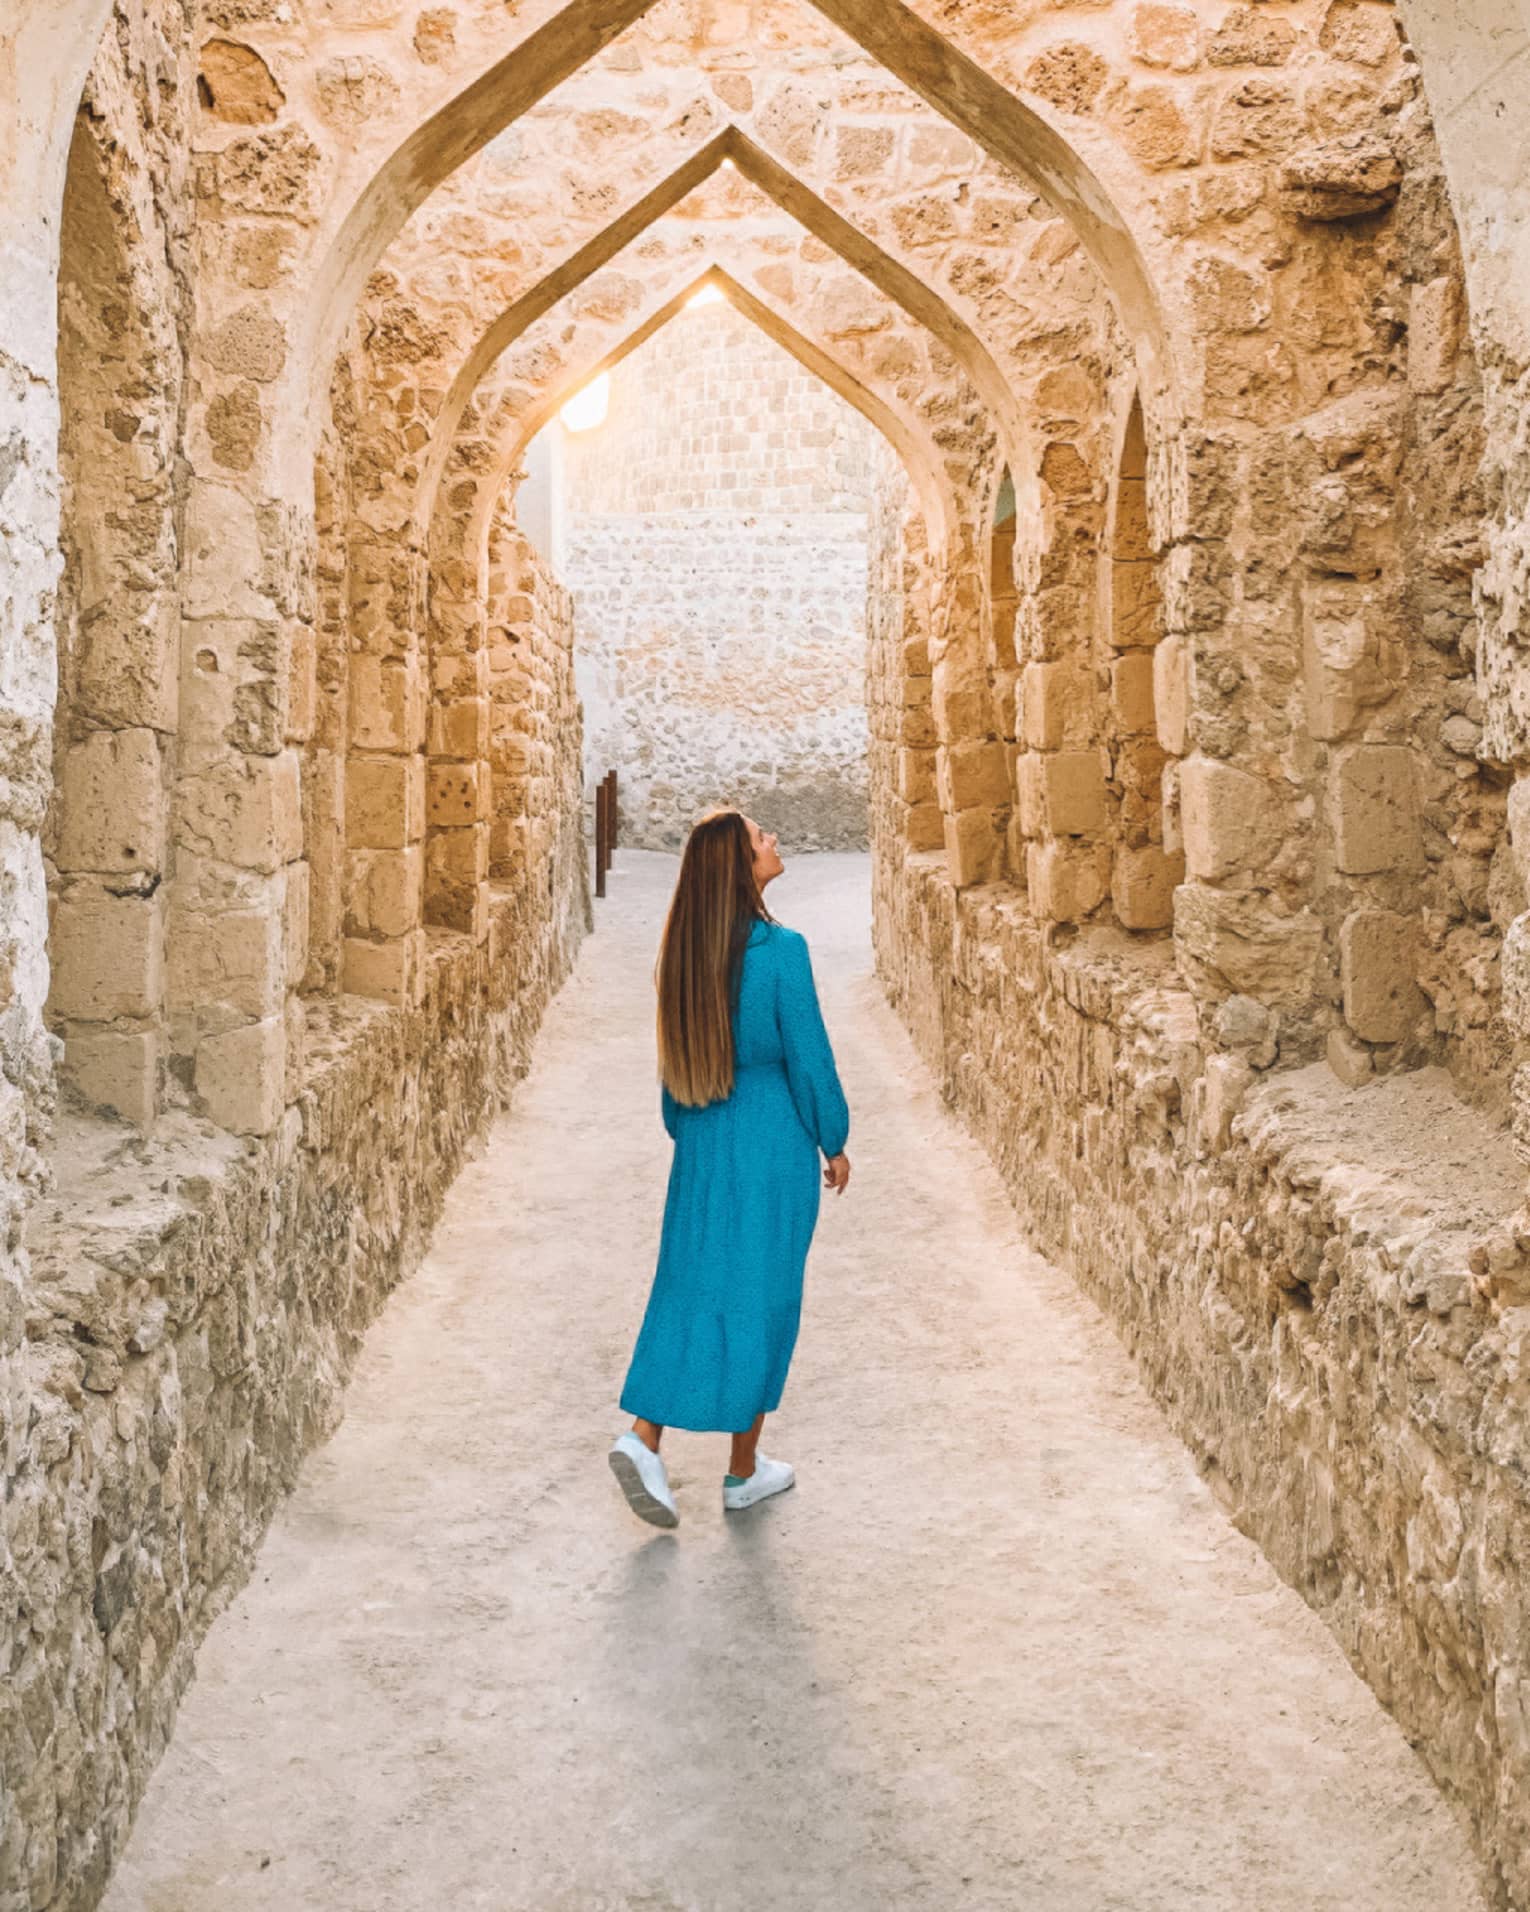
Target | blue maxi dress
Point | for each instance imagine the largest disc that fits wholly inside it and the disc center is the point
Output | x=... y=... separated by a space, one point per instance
x=721 y=1322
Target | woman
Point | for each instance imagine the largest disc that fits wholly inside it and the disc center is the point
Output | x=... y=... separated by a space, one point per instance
x=750 y=1099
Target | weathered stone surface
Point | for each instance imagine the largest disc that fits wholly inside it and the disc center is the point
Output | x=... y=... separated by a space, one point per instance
x=235 y=84
x=1237 y=944
x=1231 y=820
x=720 y=576
x=1378 y=951
x=317 y=732
x=1373 y=790
x=1348 y=177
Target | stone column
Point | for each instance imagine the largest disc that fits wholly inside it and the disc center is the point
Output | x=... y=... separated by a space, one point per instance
x=384 y=784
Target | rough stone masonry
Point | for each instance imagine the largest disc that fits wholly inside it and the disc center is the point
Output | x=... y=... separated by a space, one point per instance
x=1195 y=335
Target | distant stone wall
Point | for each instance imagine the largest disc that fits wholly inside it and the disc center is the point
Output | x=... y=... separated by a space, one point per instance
x=717 y=555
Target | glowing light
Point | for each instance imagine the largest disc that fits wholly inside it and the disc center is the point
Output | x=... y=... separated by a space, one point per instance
x=708 y=295
x=588 y=407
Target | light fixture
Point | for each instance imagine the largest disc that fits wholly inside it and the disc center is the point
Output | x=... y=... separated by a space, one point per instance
x=589 y=406
x=729 y=166
x=709 y=294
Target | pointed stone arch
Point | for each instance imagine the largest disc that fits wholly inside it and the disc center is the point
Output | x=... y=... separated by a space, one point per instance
x=1012 y=130
x=889 y=275
x=459 y=863
x=916 y=451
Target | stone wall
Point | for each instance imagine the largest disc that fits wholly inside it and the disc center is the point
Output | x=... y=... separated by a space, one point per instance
x=1197 y=718
x=1295 y=1273
x=194 y=1305
x=716 y=549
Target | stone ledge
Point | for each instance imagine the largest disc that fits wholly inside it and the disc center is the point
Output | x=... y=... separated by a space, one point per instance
x=1300 y=1300
x=195 y=1305
x=1450 y=1176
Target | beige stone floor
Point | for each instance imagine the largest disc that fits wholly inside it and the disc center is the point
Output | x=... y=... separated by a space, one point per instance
x=997 y=1650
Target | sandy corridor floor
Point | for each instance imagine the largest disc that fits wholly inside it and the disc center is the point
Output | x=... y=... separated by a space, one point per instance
x=997 y=1650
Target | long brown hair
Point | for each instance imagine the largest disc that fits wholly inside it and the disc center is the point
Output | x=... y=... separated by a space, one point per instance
x=717 y=902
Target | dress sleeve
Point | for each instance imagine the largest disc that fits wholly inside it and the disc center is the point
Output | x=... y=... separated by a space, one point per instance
x=668 y=1108
x=810 y=1070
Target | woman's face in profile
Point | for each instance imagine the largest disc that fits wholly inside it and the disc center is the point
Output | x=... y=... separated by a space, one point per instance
x=767 y=859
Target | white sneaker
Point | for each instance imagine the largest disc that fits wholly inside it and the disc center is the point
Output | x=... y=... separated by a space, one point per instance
x=769 y=1477
x=644 y=1480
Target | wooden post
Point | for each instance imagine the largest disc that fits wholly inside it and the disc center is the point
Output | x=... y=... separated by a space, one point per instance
x=611 y=814
x=600 y=837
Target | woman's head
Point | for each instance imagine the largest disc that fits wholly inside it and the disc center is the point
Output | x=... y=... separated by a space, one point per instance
x=718 y=899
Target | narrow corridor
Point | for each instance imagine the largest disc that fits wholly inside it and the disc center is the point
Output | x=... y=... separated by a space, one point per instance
x=998 y=1649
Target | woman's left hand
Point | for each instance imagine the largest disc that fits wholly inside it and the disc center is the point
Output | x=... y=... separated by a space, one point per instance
x=836 y=1174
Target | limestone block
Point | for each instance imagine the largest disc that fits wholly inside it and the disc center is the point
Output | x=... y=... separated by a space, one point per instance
x=127 y=661
x=457 y=857
x=1222 y=1091
x=391 y=971
x=916 y=775
x=960 y=708
x=1373 y=803
x=1436 y=321
x=1378 y=963
x=1515 y=967
x=1250 y=1028
x=295 y=922
x=216 y=650
x=387 y=703
x=1132 y=537
x=1230 y=819
x=1247 y=36
x=107 y=954
x=1171 y=695
x=1519 y=829
x=1228 y=297
x=384 y=802
x=1194 y=580
x=454 y=795
x=1241 y=945
x=236 y=85
x=1136 y=621
x=974 y=847
x=1166 y=33
x=295 y=1019
x=303 y=701
x=249 y=344
x=113 y=805
x=1067 y=880
x=1050 y=695
x=1345 y=178
x=387 y=891
x=1350 y=1061
x=459 y=729
x=1173 y=832
x=247 y=810
x=1341 y=655
x=1143 y=883
x=225 y=573
x=1073 y=790
x=241 y=1075
x=973 y=774
x=115 y=1070
x=1131 y=694
x=1030 y=790
x=230 y=966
